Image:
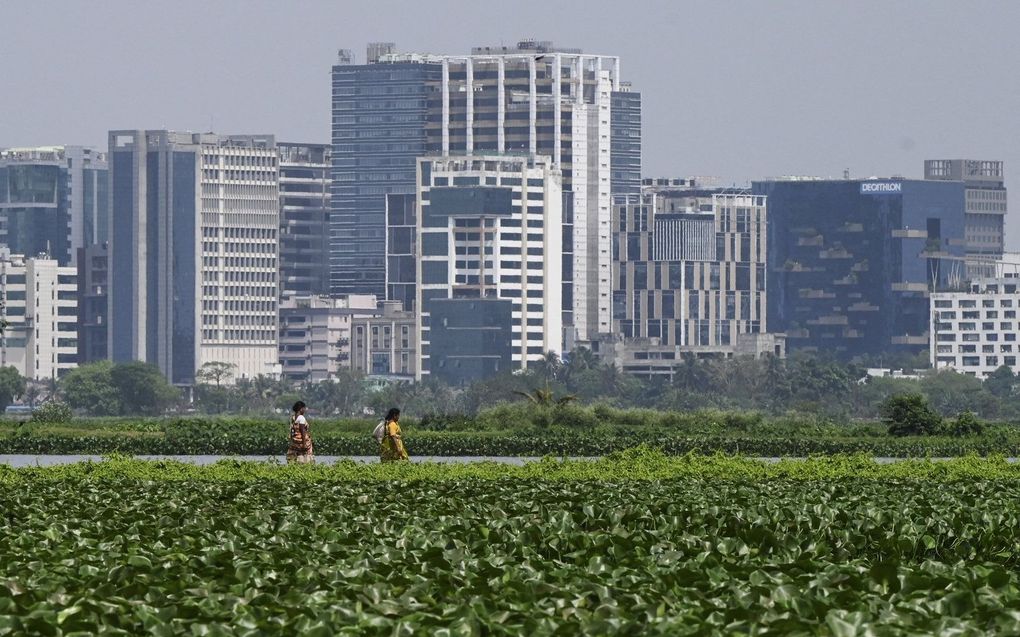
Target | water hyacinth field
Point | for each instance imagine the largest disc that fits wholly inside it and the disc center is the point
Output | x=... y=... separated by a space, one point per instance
x=634 y=544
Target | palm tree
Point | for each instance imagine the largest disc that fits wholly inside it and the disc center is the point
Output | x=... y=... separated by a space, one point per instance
x=544 y=397
x=580 y=360
x=690 y=373
x=548 y=367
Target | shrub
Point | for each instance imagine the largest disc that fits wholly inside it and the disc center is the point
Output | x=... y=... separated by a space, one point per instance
x=910 y=415
x=52 y=413
x=966 y=424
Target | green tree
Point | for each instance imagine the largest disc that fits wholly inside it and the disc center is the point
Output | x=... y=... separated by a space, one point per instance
x=12 y=386
x=90 y=388
x=341 y=395
x=52 y=413
x=690 y=374
x=1002 y=382
x=776 y=384
x=966 y=424
x=215 y=373
x=548 y=367
x=142 y=389
x=911 y=415
x=544 y=397
x=577 y=362
x=951 y=393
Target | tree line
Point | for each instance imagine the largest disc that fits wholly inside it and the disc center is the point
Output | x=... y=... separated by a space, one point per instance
x=801 y=384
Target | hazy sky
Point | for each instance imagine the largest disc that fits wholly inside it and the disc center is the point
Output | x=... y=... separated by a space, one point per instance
x=737 y=90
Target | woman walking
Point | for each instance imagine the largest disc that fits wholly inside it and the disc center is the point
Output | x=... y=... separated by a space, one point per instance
x=392 y=444
x=300 y=449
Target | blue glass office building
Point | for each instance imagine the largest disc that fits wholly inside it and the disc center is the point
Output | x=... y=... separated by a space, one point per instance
x=53 y=200
x=851 y=263
x=379 y=115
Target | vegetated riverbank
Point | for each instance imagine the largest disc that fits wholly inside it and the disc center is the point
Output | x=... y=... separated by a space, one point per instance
x=639 y=543
x=514 y=430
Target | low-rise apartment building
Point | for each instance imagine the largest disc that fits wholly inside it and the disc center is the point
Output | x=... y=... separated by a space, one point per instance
x=975 y=331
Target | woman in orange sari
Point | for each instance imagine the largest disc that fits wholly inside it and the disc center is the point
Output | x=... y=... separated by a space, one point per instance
x=300 y=448
x=392 y=447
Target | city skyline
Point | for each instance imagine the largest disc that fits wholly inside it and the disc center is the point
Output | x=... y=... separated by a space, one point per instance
x=740 y=92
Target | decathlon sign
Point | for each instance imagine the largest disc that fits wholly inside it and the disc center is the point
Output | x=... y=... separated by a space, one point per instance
x=881 y=187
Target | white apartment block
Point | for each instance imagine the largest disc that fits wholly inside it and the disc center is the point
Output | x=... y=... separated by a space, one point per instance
x=975 y=332
x=194 y=251
x=315 y=334
x=41 y=308
x=539 y=100
x=489 y=233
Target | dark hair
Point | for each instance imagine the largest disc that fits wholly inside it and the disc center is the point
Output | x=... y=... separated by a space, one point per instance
x=392 y=414
x=298 y=406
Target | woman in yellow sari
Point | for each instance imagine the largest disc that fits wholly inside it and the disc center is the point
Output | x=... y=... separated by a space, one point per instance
x=392 y=447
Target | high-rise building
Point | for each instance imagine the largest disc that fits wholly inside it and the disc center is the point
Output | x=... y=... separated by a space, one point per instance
x=93 y=303
x=53 y=200
x=532 y=98
x=625 y=142
x=974 y=331
x=379 y=113
x=985 y=208
x=304 y=219
x=852 y=262
x=194 y=251
x=489 y=233
x=41 y=309
x=689 y=268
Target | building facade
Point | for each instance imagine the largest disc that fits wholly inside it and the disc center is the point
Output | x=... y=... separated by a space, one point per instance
x=53 y=200
x=384 y=343
x=194 y=251
x=985 y=196
x=41 y=308
x=689 y=268
x=304 y=219
x=975 y=331
x=532 y=98
x=315 y=334
x=93 y=303
x=852 y=262
x=489 y=233
x=379 y=115
x=401 y=249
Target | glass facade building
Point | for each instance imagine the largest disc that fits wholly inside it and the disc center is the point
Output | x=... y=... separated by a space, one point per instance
x=852 y=263
x=304 y=219
x=625 y=153
x=53 y=200
x=379 y=114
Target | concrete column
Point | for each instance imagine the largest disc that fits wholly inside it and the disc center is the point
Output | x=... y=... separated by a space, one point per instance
x=501 y=106
x=532 y=107
x=446 y=106
x=470 y=108
x=557 y=127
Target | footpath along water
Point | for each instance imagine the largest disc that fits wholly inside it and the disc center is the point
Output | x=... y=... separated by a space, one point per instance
x=29 y=460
